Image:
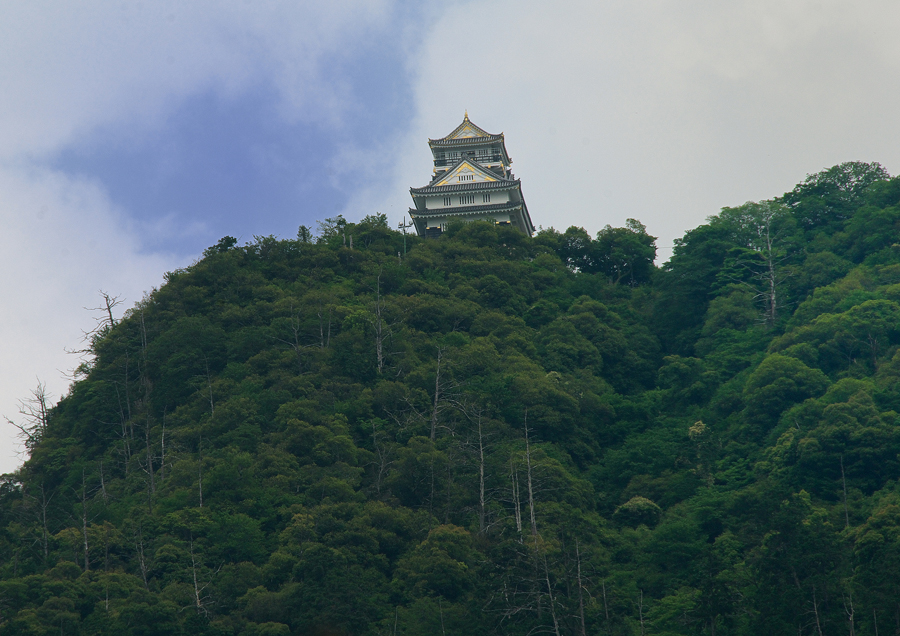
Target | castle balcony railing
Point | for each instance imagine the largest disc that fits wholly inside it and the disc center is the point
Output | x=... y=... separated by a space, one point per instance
x=479 y=158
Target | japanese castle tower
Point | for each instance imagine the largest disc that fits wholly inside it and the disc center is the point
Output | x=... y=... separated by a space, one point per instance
x=471 y=182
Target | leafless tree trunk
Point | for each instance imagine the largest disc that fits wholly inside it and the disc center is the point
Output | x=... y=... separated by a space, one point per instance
x=197 y=588
x=517 y=505
x=45 y=534
x=124 y=421
x=103 y=485
x=84 y=530
x=324 y=335
x=530 y=488
x=139 y=547
x=605 y=603
x=36 y=410
x=437 y=394
x=848 y=608
x=162 y=450
x=816 y=613
x=550 y=596
x=378 y=324
x=382 y=463
x=481 y=497
x=200 y=469
x=770 y=275
x=212 y=406
x=150 y=469
x=110 y=302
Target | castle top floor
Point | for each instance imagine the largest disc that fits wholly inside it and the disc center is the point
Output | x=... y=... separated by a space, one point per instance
x=468 y=141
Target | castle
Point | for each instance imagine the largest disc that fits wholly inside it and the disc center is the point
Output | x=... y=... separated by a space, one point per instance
x=472 y=181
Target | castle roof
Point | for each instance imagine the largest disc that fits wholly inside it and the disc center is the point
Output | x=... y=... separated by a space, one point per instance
x=469 y=166
x=469 y=209
x=466 y=132
x=500 y=184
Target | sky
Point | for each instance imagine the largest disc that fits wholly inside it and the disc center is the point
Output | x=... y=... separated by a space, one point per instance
x=135 y=134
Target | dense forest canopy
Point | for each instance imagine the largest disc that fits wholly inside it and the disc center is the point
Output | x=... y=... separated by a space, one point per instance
x=361 y=432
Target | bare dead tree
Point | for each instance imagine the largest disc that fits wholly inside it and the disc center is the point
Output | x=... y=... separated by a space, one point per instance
x=103 y=485
x=212 y=406
x=435 y=409
x=530 y=485
x=151 y=469
x=201 y=602
x=445 y=397
x=815 y=608
x=580 y=588
x=84 y=523
x=383 y=459
x=763 y=260
x=378 y=323
x=517 y=505
x=36 y=413
x=198 y=600
x=324 y=314
x=605 y=603
x=479 y=447
x=104 y=323
x=550 y=596
x=139 y=548
x=481 y=499
x=850 y=611
x=45 y=533
x=295 y=341
x=162 y=449
x=110 y=302
x=200 y=469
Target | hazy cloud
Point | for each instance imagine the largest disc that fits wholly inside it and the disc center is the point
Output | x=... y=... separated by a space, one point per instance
x=660 y=110
x=113 y=75
x=663 y=111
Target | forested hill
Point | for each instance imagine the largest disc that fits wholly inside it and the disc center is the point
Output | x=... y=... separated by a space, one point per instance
x=357 y=432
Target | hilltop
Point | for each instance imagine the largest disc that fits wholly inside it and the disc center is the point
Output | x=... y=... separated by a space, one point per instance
x=485 y=433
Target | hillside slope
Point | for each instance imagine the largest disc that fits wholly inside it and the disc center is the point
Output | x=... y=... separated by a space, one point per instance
x=487 y=434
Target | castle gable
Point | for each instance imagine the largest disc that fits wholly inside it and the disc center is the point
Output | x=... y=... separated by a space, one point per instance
x=466 y=130
x=466 y=171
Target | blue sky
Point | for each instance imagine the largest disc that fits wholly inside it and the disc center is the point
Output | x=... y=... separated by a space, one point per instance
x=238 y=164
x=134 y=135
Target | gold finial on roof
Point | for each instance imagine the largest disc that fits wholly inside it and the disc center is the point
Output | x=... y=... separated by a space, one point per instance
x=467 y=114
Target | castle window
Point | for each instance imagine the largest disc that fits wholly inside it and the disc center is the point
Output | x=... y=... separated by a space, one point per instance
x=447 y=202
x=486 y=198
x=467 y=199
x=466 y=177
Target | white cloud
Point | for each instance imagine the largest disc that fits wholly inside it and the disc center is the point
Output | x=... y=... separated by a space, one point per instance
x=63 y=242
x=73 y=70
x=662 y=110
x=69 y=68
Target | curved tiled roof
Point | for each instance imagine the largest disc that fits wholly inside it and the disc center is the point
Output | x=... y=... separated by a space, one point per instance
x=500 y=184
x=467 y=122
x=467 y=209
x=463 y=141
